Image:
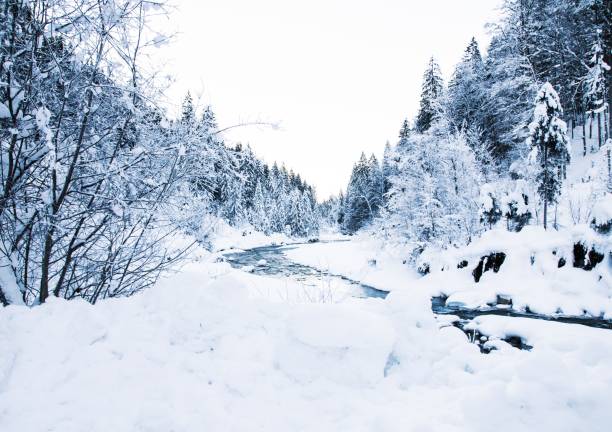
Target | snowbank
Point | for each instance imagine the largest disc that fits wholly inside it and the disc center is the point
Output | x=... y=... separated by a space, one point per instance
x=535 y=270
x=364 y=258
x=223 y=237
x=197 y=353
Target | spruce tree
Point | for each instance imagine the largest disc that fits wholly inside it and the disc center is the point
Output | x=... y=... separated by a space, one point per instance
x=596 y=89
x=548 y=138
x=404 y=134
x=389 y=168
x=466 y=91
x=209 y=121
x=358 y=208
x=431 y=90
x=188 y=110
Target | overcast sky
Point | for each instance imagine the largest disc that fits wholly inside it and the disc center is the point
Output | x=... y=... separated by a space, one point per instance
x=338 y=75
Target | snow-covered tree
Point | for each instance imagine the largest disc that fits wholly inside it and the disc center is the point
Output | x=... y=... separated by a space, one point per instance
x=466 y=90
x=431 y=90
x=258 y=215
x=364 y=194
x=490 y=211
x=548 y=138
x=434 y=195
x=404 y=133
x=596 y=90
x=188 y=109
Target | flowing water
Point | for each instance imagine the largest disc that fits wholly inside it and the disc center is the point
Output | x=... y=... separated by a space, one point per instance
x=271 y=261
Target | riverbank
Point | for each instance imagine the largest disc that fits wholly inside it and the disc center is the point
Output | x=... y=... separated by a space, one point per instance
x=199 y=352
x=218 y=348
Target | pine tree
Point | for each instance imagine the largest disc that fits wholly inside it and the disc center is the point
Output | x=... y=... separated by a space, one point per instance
x=389 y=168
x=431 y=90
x=375 y=185
x=508 y=103
x=595 y=83
x=466 y=91
x=548 y=137
x=259 y=216
x=358 y=208
x=188 y=110
x=490 y=211
x=404 y=134
x=209 y=120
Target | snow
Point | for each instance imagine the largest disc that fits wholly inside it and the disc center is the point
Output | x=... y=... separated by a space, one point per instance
x=4 y=111
x=543 y=287
x=547 y=335
x=224 y=236
x=365 y=259
x=602 y=210
x=198 y=352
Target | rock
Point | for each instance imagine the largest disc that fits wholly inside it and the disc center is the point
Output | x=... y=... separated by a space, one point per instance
x=492 y=261
x=586 y=259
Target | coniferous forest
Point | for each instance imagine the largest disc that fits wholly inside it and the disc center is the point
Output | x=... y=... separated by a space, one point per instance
x=475 y=128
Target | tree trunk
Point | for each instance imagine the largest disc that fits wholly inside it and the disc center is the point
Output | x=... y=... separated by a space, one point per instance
x=606 y=130
x=545 y=184
x=609 y=172
x=584 y=146
x=5 y=302
x=44 y=267
x=599 y=129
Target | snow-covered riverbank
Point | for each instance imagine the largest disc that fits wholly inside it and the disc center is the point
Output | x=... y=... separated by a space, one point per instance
x=207 y=350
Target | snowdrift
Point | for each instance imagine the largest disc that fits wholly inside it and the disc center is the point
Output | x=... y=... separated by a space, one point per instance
x=199 y=354
x=566 y=272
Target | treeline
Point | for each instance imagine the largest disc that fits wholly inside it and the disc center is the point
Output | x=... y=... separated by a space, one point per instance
x=492 y=143
x=240 y=188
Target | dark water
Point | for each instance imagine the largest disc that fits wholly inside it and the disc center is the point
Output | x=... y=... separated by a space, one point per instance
x=438 y=305
x=278 y=265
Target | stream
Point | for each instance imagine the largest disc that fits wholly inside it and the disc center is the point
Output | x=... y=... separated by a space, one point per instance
x=271 y=261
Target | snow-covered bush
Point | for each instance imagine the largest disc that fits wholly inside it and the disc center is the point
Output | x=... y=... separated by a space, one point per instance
x=601 y=215
x=490 y=212
x=515 y=205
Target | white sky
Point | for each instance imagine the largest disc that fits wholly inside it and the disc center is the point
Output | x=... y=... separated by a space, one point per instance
x=339 y=75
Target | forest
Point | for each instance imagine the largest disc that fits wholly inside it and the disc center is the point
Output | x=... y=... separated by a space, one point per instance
x=158 y=275
x=464 y=162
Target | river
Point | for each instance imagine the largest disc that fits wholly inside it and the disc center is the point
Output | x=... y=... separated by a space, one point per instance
x=271 y=261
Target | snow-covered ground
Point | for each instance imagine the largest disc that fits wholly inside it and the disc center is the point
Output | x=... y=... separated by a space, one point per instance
x=224 y=236
x=364 y=258
x=207 y=349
